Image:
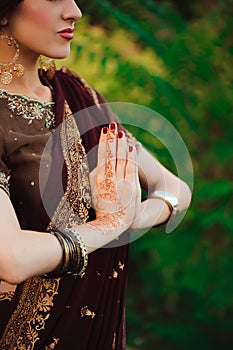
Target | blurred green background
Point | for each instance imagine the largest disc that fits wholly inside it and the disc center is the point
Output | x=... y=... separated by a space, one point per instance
x=176 y=58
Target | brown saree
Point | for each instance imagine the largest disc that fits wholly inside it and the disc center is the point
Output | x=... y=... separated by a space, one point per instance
x=85 y=313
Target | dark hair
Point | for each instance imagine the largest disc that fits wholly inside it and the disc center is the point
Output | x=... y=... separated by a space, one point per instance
x=8 y=6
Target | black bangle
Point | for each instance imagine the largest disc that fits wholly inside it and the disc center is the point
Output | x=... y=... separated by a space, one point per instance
x=60 y=269
x=74 y=254
x=82 y=247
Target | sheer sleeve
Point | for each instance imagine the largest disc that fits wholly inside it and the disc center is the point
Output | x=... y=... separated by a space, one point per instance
x=4 y=171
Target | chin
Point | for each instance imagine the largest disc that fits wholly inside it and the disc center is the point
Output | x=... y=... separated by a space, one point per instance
x=62 y=56
x=59 y=55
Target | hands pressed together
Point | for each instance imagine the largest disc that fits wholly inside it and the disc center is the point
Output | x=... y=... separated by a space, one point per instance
x=116 y=192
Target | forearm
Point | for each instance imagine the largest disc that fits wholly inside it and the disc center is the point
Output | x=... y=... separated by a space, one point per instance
x=153 y=212
x=155 y=177
x=36 y=253
x=28 y=254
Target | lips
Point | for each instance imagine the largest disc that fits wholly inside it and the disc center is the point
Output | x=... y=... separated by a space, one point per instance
x=67 y=33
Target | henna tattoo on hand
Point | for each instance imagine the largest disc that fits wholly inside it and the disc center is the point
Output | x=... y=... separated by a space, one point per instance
x=108 y=192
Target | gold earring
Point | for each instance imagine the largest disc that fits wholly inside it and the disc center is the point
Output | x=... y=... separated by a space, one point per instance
x=47 y=65
x=11 y=69
x=4 y=22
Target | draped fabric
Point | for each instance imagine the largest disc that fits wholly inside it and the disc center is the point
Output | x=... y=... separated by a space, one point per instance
x=85 y=313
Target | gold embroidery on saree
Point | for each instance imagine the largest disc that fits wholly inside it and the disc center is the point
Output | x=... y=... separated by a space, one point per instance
x=77 y=199
x=86 y=312
x=37 y=298
x=6 y=296
x=114 y=341
x=29 y=318
x=52 y=346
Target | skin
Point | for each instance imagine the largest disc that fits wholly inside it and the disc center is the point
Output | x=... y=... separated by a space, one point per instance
x=35 y=25
x=24 y=254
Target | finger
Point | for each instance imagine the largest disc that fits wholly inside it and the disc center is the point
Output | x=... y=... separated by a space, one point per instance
x=121 y=155
x=138 y=195
x=111 y=151
x=102 y=149
x=131 y=168
x=137 y=181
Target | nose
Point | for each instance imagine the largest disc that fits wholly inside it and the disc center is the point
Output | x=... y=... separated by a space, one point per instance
x=72 y=12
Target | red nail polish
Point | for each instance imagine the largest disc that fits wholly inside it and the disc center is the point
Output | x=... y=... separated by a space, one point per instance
x=120 y=134
x=112 y=126
x=130 y=148
x=105 y=130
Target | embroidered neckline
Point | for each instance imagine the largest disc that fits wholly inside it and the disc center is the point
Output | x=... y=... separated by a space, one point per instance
x=4 y=182
x=27 y=98
x=30 y=109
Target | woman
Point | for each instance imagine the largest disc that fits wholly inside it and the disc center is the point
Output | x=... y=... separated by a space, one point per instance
x=58 y=288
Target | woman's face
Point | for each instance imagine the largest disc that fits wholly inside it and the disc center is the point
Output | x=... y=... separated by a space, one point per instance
x=44 y=26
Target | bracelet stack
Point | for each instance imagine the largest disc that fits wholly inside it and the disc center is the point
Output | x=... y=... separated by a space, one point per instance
x=75 y=256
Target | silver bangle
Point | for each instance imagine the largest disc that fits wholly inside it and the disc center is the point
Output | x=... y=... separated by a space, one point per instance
x=168 y=198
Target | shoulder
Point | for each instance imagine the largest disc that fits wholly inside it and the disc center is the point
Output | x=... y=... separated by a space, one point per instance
x=69 y=80
x=74 y=79
x=66 y=73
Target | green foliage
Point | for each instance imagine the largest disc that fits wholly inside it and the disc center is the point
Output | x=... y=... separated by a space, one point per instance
x=175 y=58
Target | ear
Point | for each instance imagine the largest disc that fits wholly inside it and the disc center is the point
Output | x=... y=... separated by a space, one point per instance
x=3 y=22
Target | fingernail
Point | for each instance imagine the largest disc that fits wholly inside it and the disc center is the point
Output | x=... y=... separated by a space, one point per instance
x=112 y=126
x=130 y=148
x=120 y=134
x=105 y=130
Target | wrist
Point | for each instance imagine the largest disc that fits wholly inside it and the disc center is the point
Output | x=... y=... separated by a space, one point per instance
x=74 y=254
x=171 y=202
x=153 y=213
